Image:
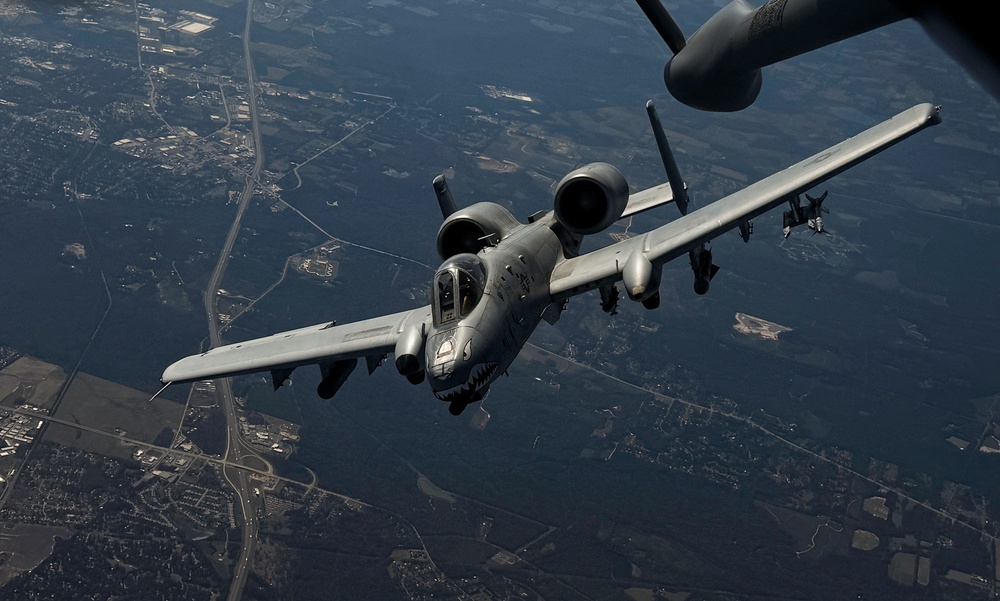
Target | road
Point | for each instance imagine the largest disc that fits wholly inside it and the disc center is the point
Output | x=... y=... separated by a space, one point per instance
x=749 y=421
x=313 y=484
x=238 y=453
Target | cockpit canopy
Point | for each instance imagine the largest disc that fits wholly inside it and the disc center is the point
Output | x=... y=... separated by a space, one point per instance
x=458 y=287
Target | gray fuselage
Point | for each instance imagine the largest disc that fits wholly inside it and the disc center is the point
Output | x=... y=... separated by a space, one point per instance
x=466 y=353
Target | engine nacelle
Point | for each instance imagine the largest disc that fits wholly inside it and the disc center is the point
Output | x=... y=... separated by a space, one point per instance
x=591 y=198
x=473 y=228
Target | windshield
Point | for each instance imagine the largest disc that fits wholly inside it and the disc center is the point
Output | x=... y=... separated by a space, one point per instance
x=458 y=286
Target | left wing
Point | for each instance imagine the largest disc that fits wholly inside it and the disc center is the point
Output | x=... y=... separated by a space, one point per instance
x=604 y=266
x=281 y=353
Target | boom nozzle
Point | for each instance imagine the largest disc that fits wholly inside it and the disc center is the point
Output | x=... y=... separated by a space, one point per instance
x=664 y=24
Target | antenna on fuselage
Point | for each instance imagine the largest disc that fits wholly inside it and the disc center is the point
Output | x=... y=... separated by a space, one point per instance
x=445 y=199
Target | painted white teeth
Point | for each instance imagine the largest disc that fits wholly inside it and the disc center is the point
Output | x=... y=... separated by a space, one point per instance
x=482 y=375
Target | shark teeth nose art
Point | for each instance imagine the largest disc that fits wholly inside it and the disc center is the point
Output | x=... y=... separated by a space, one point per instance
x=481 y=375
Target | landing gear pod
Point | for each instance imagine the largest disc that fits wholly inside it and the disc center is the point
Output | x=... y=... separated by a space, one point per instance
x=642 y=280
x=409 y=354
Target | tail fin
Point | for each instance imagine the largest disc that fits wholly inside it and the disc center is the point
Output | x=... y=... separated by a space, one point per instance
x=445 y=199
x=677 y=185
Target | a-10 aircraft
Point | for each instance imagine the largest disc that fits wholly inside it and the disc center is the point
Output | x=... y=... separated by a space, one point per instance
x=500 y=277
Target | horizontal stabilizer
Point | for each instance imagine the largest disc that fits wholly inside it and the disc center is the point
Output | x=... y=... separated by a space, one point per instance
x=650 y=198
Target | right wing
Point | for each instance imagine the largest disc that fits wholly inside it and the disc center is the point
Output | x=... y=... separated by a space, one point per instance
x=605 y=265
x=319 y=344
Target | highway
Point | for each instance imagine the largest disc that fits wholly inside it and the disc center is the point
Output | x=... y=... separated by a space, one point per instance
x=237 y=452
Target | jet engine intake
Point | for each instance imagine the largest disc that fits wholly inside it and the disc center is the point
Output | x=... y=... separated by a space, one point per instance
x=473 y=228
x=591 y=198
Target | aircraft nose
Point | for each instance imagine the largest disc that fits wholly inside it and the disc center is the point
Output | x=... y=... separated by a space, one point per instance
x=448 y=354
x=442 y=364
